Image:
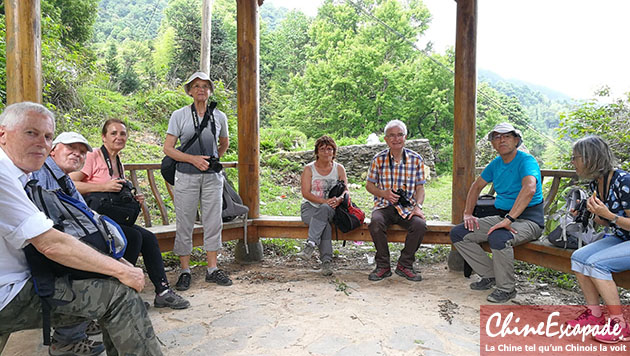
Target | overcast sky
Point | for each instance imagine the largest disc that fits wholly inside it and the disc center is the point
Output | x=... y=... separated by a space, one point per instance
x=573 y=46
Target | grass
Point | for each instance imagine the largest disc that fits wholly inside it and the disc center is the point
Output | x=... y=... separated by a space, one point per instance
x=279 y=199
x=537 y=273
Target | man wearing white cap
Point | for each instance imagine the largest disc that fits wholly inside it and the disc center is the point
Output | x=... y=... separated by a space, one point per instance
x=68 y=155
x=517 y=181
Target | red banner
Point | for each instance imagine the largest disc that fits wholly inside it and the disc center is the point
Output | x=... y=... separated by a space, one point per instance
x=540 y=330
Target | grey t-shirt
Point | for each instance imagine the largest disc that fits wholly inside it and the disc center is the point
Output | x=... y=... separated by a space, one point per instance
x=181 y=125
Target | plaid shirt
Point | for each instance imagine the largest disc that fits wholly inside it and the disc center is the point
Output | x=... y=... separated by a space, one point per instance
x=407 y=174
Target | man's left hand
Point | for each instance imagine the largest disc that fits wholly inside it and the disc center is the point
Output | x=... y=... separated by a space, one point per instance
x=504 y=224
x=416 y=211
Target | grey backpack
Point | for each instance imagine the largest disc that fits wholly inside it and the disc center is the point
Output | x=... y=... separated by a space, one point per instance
x=573 y=231
x=233 y=206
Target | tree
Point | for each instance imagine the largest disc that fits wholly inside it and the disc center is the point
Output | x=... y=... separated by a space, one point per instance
x=359 y=74
x=184 y=16
x=283 y=53
x=111 y=62
x=604 y=116
x=77 y=18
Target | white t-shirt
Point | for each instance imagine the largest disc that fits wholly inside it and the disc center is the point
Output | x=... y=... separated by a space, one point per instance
x=20 y=220
x=321 y=185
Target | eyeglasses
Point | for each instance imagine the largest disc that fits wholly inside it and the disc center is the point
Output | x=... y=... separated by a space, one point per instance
x=394 y=135
x=498 y=137
x=204 y=87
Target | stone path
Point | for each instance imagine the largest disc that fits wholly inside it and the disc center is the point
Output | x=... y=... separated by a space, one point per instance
x=289 y=311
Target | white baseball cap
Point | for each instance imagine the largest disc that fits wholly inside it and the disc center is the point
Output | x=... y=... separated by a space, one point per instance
x=505 y=127
x=71 y=137
x=198 y=75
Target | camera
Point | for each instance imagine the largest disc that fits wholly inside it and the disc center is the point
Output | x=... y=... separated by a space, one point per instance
x=583 y=215
x=127 y=192
x=215 y=166
x=402 y=197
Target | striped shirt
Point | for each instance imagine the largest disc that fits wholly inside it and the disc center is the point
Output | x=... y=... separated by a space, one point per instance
x=407 y=174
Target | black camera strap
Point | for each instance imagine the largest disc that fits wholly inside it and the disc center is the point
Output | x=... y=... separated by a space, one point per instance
x=209 y=114
x=108 y=161
x=391 y=169
x=606 y=192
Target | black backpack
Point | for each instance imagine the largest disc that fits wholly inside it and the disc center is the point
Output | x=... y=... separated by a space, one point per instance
x=347 y=215
x=74 y=218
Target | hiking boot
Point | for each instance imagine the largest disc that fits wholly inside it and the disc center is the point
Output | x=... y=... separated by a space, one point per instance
x=307 y=251
x=610 y=337
x=499 y=296
x=170 y=299
x=483 y=284
x=85 y=347
x=327 y=268
x=93 y=328
x=219 y=277
x=408 y=273
x=586 y=318
x=380 y=273
x=183 y=282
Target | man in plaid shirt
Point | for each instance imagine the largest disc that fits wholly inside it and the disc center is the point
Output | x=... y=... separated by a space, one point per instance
x=396 y=179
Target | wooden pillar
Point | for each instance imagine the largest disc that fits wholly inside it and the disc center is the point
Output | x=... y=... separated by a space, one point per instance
x=23 y=51
x=206 y=35
x=248 y=104
x=465 y=105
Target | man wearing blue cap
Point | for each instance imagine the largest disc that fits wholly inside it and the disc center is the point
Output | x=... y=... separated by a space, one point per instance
x=517 y=181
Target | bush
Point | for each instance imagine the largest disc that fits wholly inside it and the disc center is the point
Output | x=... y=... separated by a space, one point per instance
x=284 y=139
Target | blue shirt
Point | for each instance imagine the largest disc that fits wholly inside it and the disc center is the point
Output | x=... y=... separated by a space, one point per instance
x=49 y=180
x=507 y=179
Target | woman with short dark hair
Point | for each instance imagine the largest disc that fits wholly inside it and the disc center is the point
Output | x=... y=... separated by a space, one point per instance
x=317 y=209
x=594 y=263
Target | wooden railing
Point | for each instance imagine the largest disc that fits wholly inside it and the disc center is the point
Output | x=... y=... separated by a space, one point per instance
x=151 y=170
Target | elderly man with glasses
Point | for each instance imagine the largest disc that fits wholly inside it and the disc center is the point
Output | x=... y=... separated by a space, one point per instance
x=517 y=182
x=396 y=179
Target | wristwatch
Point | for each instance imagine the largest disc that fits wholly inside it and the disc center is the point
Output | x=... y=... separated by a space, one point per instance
x=507 y=216
x=613 y=222
x=419 y=205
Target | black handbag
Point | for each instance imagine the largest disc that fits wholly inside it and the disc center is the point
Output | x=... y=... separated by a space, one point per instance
x=485 y=206
x=122 y=207
x=169 y=165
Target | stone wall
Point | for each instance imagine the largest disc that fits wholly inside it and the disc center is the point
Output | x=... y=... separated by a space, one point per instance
x=357 y=158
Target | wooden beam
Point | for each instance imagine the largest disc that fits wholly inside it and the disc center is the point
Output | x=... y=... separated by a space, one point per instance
x=23 y=51
x=465 y=106
x=206 y=35
x=248 y=104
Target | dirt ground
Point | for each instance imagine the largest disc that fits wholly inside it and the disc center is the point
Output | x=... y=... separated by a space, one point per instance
x=284 y=306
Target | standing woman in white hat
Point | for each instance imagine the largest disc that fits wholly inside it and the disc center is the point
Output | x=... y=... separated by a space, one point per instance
x=198 y=179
